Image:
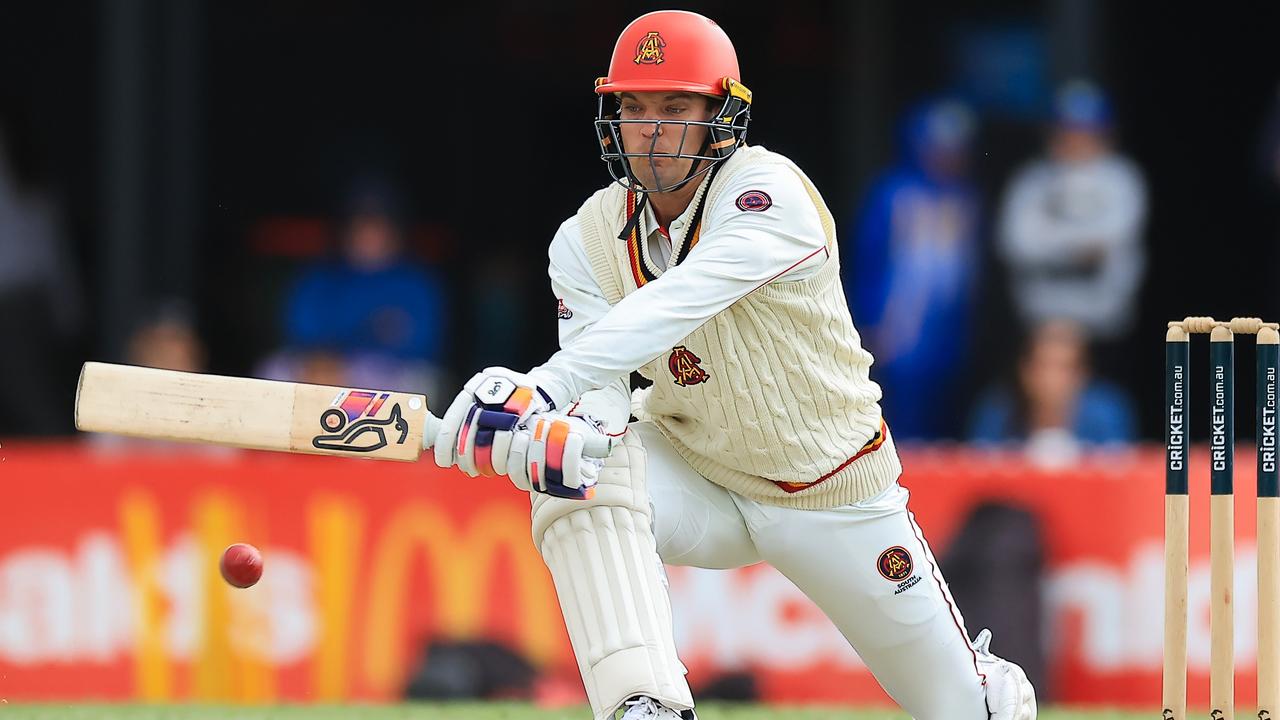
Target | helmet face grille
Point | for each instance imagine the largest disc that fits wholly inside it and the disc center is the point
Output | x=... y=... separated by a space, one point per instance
x=726 y=131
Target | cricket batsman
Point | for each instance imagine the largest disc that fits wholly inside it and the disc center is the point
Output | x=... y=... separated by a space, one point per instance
x=712 y=268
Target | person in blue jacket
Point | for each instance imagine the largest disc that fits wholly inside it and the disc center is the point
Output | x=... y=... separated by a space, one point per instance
x=1053 y=403
x=911 y=283
x=370 y=305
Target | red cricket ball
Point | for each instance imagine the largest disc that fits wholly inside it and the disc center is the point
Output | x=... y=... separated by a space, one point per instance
x=241 y=565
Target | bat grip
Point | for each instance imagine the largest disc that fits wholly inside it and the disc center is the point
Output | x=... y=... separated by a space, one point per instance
x=430 y=428
x=598 y=446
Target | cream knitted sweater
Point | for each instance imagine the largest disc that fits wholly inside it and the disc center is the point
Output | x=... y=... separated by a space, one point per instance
x=771 y=397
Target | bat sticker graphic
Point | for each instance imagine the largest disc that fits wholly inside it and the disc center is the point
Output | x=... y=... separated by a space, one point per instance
x=359 y=437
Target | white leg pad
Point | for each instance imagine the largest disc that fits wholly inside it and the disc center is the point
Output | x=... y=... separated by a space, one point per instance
x=604 y=561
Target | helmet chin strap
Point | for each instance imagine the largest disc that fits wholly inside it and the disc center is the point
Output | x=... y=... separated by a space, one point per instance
x=644 y=197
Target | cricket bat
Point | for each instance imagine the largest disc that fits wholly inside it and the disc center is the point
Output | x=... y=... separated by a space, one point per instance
x=248 y=413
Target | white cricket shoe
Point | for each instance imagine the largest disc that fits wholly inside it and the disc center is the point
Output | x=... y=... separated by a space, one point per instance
x=644 y=707
x=1009 y=693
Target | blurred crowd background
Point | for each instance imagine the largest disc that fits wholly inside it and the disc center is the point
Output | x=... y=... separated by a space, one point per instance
x=363 y=193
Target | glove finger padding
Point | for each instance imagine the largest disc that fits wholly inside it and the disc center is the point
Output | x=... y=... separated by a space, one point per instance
x=536 y=458
x=590 y=471
x=489 y=427
x=516 y=463
x=563 y=442
x=554 y=433
x=446 y=446
x=500 y=451
x=571 y=462
x=465 y=452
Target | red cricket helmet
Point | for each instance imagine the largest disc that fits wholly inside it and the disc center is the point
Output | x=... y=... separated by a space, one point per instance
x=676 y=51
x=671 y=50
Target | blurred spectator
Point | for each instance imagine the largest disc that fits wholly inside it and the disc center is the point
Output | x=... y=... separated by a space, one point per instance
x=321 y=367
x=40 y=301
x=167 y=340
x=1071 y=223
x=912 y=278
x=371 y=316
x=1055 y=405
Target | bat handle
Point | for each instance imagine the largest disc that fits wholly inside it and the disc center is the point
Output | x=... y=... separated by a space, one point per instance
x=430 y=428
x=598 y=446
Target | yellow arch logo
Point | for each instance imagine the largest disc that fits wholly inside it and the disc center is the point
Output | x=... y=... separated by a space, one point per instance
x=649 y=51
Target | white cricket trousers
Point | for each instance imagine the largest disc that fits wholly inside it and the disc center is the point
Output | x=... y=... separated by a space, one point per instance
x=866 y=565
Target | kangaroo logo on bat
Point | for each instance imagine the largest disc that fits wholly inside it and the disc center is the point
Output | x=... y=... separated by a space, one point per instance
x=351 y=424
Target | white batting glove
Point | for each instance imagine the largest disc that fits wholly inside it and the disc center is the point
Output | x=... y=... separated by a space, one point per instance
x=478 y=425
x=559 y=455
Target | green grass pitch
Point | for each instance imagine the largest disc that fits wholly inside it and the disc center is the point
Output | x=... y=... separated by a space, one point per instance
x=465 y=711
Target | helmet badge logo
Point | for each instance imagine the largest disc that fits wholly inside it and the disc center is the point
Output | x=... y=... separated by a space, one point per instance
x=649 y=49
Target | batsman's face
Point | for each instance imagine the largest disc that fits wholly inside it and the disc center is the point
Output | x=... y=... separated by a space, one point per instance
x=662 y=133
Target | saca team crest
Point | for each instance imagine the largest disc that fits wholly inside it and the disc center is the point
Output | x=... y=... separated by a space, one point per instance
x=684 y=366
x=649 y=49
x=896 y=565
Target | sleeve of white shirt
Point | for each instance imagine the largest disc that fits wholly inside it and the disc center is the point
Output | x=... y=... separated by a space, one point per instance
x=583 y=304
x=738 y=252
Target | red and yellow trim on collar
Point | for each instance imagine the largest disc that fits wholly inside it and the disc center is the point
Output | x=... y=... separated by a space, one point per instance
x=639 y=270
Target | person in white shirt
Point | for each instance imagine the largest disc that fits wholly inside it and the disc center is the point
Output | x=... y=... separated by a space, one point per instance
x=1070 y=228
x=711 y=267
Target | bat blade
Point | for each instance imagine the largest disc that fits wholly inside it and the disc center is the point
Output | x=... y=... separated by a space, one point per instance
x=251 y=413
